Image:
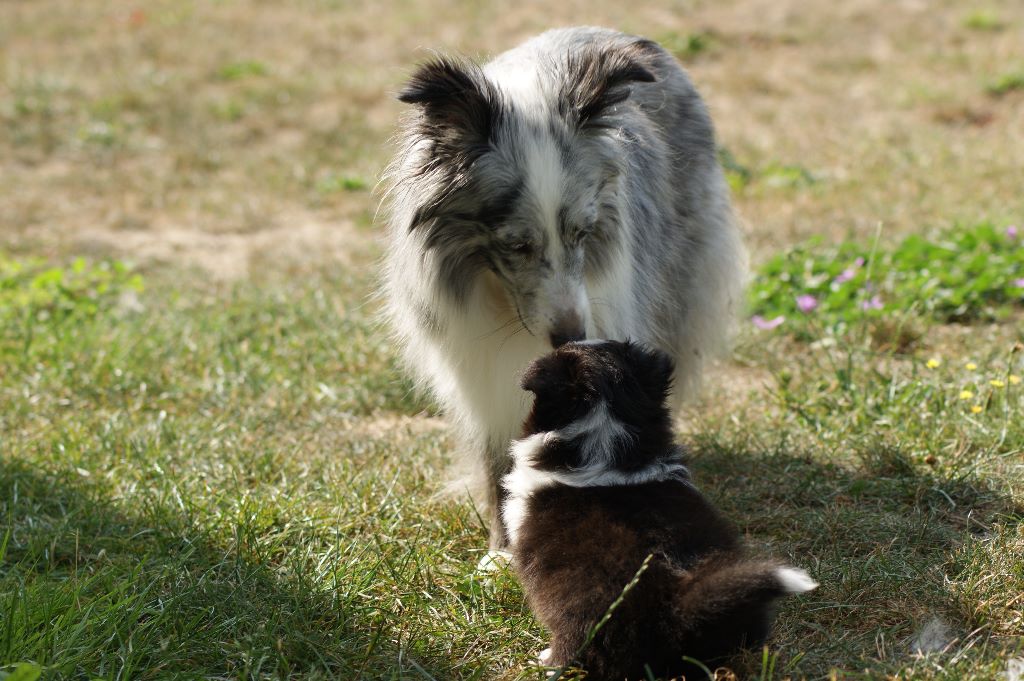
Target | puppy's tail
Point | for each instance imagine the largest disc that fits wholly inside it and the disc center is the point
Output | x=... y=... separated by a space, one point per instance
x=726 y=605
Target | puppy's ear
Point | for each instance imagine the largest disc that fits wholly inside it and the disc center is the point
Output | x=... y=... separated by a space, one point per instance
x=456 y=99
x=550 y=374
x=654 y=368
x=600 y=78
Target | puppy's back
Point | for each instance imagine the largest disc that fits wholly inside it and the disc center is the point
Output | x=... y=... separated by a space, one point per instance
x=668 y=516
x=579 y=547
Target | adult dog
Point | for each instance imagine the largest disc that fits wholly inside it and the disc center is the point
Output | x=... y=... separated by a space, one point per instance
x=568 y=189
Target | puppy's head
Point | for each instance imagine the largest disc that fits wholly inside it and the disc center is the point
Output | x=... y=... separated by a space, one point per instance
x=631 y=382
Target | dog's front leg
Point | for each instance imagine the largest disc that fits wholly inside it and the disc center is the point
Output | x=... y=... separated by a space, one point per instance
x=499 y=463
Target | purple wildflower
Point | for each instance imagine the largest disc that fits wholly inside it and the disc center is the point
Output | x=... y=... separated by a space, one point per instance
x=1012 y=232
x=845 y=276
x=806 y=303
x=874 y=303
x=1019 y=283
x=766 y=324
x=859 y=262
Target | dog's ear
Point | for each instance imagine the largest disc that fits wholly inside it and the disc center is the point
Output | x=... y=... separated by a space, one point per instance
x=549 y=374
x=553 y=381
x=457 y=100
x=654 y=370
x=600 y=78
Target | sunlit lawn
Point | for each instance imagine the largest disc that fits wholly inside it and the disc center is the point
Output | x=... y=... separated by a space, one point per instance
x=211 y=465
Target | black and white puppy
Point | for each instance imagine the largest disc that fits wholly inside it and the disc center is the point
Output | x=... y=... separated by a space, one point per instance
x=598 y=486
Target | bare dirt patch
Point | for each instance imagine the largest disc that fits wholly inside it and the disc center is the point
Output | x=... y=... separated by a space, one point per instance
x=188 y=119
x=387 y=425
x=730 y=389
x=300 y=243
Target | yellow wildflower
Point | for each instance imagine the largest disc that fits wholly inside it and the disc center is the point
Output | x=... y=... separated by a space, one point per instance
x=933 y=362
x=971 y=366
x=996 y=383
x=1014 y=379
x=966 y=394
x=976 y=409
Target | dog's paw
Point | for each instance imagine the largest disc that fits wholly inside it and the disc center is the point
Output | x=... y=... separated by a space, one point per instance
x=493 y=561
x=544 y=660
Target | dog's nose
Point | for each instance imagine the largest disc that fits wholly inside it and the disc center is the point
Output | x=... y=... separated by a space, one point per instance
x=560 y=339
x=567 y=329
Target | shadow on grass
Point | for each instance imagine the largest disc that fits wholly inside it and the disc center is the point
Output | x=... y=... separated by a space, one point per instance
x=97 y=589
x=89 y=587
x=885 y=537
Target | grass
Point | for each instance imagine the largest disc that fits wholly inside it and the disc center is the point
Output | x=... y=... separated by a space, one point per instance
x=1007 y=83
x=169 y=476
x=211 y=467
x=233 y=482
x=982 y=20
x=964 y=274
x=241 y=69
x=687 y=47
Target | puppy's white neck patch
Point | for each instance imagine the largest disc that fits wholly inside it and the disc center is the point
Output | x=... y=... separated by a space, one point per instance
x=600 y=431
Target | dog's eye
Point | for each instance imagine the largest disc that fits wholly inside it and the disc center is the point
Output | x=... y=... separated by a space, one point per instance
x=521 y=247
x=585 y=230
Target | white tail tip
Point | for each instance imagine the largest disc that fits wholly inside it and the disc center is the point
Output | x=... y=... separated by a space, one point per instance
x=795 y=580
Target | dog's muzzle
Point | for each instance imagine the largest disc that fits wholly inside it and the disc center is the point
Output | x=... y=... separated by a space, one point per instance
x=566 y=329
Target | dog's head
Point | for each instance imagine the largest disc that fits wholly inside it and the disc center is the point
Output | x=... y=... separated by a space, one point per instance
x=516 y=177
x=611 y=389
